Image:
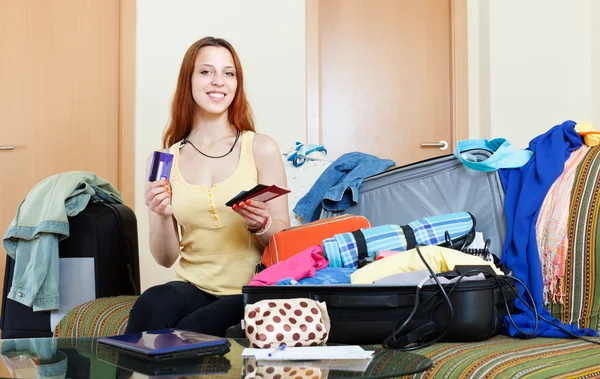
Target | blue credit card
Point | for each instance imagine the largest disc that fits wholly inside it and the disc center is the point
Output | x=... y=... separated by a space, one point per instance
x=161 y=166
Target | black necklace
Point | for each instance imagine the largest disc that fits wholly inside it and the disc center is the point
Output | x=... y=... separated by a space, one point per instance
x=237 y=136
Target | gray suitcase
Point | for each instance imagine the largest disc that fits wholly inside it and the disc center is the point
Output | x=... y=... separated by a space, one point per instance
x=432 y=187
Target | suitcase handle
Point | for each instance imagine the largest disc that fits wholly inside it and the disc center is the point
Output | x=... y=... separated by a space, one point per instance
x=367 y=301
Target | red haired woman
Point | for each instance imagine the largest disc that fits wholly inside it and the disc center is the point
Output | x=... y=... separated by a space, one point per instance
x=216 y=155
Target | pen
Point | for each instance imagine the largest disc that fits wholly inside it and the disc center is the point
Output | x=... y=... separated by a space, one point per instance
x=280 y=348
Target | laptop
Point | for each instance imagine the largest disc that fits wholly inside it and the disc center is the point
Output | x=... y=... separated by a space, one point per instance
x=167 y=344
x=202 y=366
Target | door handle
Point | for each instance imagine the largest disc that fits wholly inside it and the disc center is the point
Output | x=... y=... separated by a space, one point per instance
x=442 y=145
x=7 y=147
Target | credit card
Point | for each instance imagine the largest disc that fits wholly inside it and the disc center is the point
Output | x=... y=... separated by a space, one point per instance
x=161 y=166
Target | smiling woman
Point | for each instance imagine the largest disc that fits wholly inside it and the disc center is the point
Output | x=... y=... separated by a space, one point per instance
x=216 y=154
x=199 y=71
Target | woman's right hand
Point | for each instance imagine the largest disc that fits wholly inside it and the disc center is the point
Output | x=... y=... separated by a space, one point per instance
x=157 y=196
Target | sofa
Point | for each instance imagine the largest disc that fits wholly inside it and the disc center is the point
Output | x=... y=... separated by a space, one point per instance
x=499 y=357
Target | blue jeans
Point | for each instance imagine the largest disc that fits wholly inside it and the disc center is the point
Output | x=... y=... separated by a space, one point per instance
x=182 y=305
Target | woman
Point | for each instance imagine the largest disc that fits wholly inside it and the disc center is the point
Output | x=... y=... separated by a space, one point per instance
x=216 y=155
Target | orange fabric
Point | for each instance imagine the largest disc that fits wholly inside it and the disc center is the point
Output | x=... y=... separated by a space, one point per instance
x=588 y=132
x=289 y=242
x=583 y=134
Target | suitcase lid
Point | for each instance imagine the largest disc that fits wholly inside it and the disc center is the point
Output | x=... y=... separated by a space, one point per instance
x=431 y=187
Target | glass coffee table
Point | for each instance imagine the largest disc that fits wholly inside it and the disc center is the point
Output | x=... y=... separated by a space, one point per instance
x=84 y=358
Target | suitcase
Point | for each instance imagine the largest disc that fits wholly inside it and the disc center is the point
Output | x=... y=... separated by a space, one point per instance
x=107 y=233
x=369 y=313
x=434 y=187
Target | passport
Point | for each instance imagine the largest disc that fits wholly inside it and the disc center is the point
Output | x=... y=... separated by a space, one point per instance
x=259 y=193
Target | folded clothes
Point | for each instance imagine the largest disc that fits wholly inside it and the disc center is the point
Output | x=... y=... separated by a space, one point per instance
x=327 y=275
x=440 y=259
x=297 y=267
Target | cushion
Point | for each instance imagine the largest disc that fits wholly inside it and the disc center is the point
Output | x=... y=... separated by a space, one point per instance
x=578 y=292
x=508 y=357
x=97 y=318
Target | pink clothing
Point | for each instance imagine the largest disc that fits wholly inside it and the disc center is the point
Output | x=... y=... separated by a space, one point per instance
x=299 y=266
x=552 y=228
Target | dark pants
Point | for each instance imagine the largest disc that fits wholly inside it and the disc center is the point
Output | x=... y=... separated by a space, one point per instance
x=182 y=305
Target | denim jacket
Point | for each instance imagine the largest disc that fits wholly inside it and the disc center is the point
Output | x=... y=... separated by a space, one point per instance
x=40 y=223
x=337 y=187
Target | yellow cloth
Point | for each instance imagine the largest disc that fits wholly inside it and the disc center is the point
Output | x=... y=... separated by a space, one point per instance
x=218 y=254
x=590 y=136
x=440 y=259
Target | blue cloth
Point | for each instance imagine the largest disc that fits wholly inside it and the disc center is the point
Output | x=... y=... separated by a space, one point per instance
x=504 y=155
x=298 y=157
x=40 y=223
x=342 y=250
x=526 y=188
x=327 y=275
x=337 y=187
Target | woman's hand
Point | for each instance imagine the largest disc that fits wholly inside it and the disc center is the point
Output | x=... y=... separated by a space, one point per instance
x=252 y=211
x=157 y=196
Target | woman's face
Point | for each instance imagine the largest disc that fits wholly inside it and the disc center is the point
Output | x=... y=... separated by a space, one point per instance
x=214 y=80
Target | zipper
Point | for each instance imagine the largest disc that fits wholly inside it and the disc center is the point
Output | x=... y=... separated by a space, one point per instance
x=324 y=221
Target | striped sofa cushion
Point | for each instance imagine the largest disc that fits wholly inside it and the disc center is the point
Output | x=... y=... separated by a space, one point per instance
x=508 y=357
x=581 y=281
x=101 y=317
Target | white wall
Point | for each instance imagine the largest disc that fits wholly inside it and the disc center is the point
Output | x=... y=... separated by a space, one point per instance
x=531 y=66
x=269 y=37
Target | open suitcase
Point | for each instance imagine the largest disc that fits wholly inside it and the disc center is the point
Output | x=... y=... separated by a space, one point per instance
x=369 y=313
x=434 y=187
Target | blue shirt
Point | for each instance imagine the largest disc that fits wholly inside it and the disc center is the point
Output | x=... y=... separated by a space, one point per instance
x=337 y=187
x=526 y=188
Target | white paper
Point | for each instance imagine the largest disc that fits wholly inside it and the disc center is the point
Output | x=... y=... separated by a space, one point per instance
x=357 y=365
x=309 y=353
x=76 y=285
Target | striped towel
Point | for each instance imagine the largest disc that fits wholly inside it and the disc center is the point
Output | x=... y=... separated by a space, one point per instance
x=342 y=249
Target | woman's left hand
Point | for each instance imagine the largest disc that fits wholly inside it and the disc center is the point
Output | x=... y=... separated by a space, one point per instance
x=252 y=211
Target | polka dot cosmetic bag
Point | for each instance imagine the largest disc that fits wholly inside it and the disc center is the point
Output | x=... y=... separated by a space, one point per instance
x=293 y=322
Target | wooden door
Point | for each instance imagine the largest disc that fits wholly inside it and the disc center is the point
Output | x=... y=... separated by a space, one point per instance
x=64 y=103
x=387 y=76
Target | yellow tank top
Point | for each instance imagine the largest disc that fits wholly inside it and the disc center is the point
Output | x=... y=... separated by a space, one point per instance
x=218 y=254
